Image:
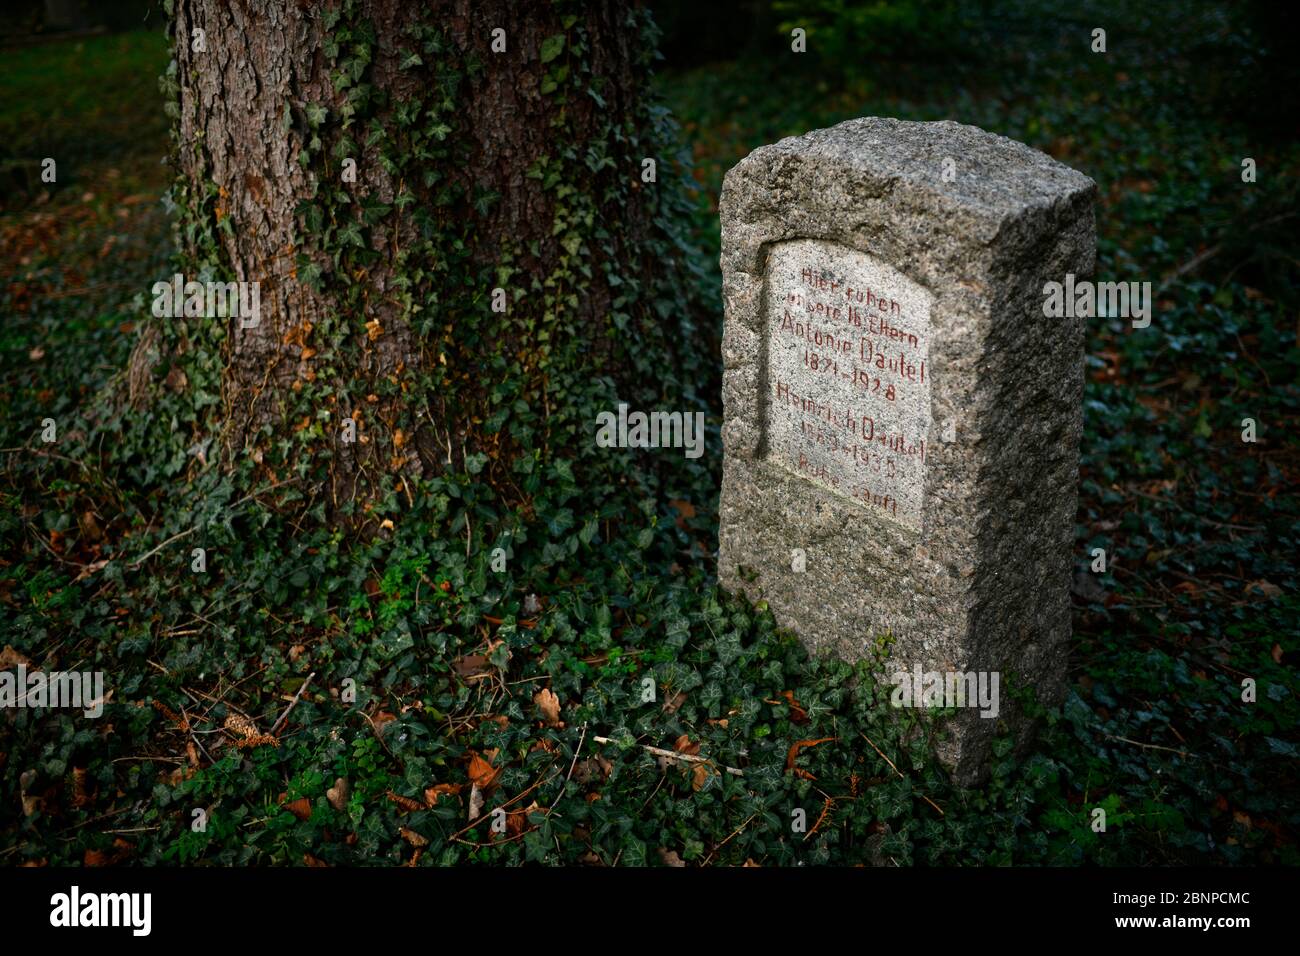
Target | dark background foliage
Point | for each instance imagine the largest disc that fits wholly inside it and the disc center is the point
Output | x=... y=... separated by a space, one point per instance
x=610 y=576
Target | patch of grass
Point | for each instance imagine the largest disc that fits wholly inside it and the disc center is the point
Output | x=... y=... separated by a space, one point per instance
x=84 y=100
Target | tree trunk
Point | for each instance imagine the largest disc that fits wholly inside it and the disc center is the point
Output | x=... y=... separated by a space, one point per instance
x=475 y=170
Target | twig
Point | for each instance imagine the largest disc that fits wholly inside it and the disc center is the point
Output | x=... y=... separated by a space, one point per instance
x=899 y=772
x=194 y=738
x=727 y=840
x=1209 y=521
x=673 y=755
x=275 y=728
x=574 y=763
x=882 y=754
x=1138 y=743
x=150 y=554
x=519 y=796
x=826 y=808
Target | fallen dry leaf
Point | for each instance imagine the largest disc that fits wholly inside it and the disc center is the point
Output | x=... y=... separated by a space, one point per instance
x=300 y=808
x=797 y=714
x=481 y=773
x=338 y=794
x=79 y=796
x=406 y=803
x=1266 y=588
x=549 y=705
x=438 y=790
x=670 y=857
x=119 y=852
x=11 y=658
x=471 y=665
x=413 y=838
x=794 y=752
x=673 y=701
x=684 y=510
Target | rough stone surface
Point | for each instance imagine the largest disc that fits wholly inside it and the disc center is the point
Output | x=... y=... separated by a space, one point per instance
x=851 y=264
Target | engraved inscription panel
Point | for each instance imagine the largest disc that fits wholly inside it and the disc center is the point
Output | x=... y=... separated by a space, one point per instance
x=848 y=375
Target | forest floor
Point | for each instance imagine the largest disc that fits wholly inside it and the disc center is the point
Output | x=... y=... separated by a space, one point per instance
x=534 y=706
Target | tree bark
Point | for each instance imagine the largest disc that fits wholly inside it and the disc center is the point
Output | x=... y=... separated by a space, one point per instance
x=474 y=170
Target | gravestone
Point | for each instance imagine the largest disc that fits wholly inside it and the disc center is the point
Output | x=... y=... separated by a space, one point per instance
x=902 y=423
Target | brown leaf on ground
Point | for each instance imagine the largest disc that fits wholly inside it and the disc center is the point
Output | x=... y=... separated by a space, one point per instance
x=79 y=796
x=549 y=705
x=338 y=794
x=1266 y=588
x=684 y=510
x=30 y=804
x=300 y=808
x=700 y=775
x=670 y=858
x=594 y=768
x=312 y=861
x=472 y=665
x=797 y=714
x=413 y=838
x=406 y=803
x=481 y=773
x=794 y=752
x=439 y=790
x=673 y=701
x=683 y=745
x=90 y=527
x=111 y=857
x=11 y=658
x=517 y=820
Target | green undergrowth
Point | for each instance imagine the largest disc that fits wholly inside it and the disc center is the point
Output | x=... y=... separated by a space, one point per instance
x=501 y=658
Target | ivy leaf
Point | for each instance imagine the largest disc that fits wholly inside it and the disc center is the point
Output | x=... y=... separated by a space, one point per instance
x=552 y=47
x=412 y=59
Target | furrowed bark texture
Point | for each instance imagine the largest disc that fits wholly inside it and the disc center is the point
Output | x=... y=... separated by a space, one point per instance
x=242 y=99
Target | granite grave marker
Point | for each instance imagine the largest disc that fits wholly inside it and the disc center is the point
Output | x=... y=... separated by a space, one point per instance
x=901 y=421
